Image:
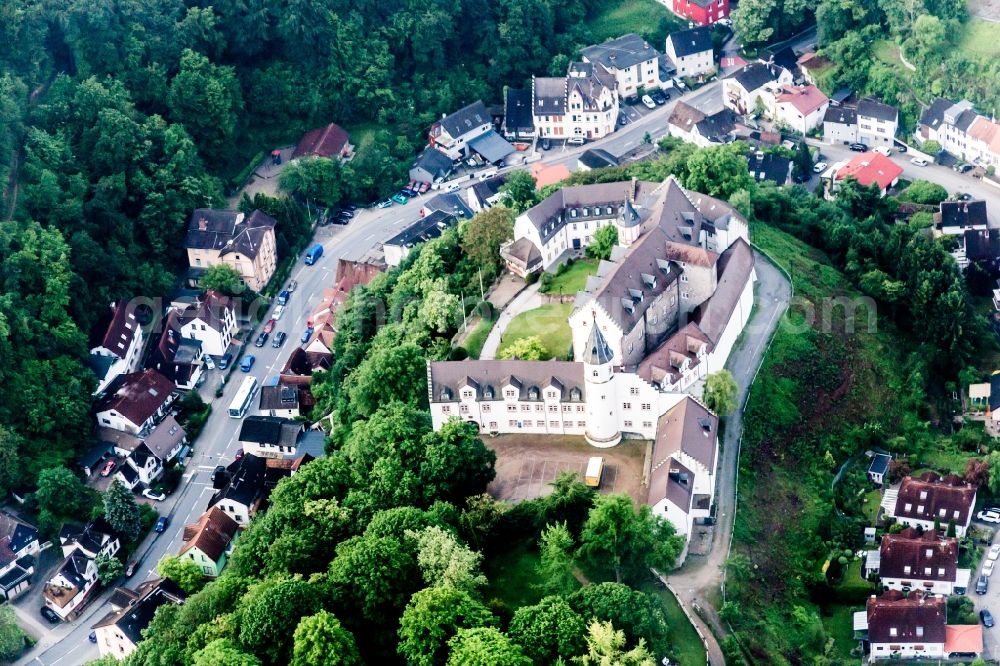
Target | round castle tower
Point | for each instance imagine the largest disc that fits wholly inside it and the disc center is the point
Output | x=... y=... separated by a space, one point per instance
x=598 y=371
x=628 y=224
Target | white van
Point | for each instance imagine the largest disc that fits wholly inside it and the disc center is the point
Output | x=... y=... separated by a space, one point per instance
x=883 y=150
x=595 y=470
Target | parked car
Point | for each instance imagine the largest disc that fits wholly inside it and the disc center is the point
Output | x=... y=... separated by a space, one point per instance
x=859 y=147
x=209 y=362
x=576 y=141
x=919 y=161
x=269 y=326
x=399 y=198
x=384 y=204
x=963 y=168
x=965 y=196
x=679 y=83
x=345 y=215
x=130 y=568
x=987 y=618
x=92 y=637
x=284 y=296
x=149 y=493
x=988 y=516
x=278 y=311
x=988 y=567
x=351 y=208
x=219 y=477
x=247 y=363
x=239 y=454
x=622 y=119
x=994 y=552
x=279 y=339
x=307 y=334
x=648 y=102
x=883 y=150
x=108 y=468
x=901 y=148
x=161 y=524
x=452 y=187
x=225 y=361
x=261 y=339
x=50 y=615
x=819 y=167
x=407 y=192
x=546 y=144
x=658 y=98
x=292 y=286
x=982 y=584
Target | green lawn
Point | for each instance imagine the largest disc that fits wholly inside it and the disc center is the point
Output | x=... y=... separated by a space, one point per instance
x=979 y=36
x=574 y=278
x=362 y=134
x=839 y=625
x=646 y=17
x=547 y=322
x=513 y=577
x=872 y=500
x=687 y=645
x=477 y=338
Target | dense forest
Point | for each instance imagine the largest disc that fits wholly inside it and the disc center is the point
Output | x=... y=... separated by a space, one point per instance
x=118 y=117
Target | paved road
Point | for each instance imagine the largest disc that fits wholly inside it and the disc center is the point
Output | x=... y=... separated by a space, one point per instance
x=697 y=582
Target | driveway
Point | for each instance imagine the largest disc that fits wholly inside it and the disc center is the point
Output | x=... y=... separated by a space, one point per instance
x=697 y=583
x=529 y=299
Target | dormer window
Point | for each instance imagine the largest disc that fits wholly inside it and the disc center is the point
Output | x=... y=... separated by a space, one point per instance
x=923 y=494
x=532 y=394
x=920 y=632
x=488 y=394
x=920 y=508
x=906 y=569
x=956 y=515
x=927 y=571
x=572 y=212
x=907 y=507
x=940 y=571
x=942 y=513
x=929 y=552
x=893 y=632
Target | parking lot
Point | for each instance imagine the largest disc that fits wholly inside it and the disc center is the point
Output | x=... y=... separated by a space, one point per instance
x=527 y=464
x=990 y=600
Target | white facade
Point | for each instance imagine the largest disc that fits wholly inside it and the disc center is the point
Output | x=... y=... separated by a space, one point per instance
x=743 y=101
x=236 y=510
x=215 y=337
x=128 y=342
x=941 y=587
x=803 y=123
x=577 y=233
x=906 y=651
x=842 y=133
x=694 y=64
x=64 y=596
x=588 y=109
x=875 y=131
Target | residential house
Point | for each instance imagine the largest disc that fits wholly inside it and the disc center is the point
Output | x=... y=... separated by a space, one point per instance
x=982 y=248
x=18 y=547
x=135 y=402
x=281 y=400
x=984 y=142
x=700 y=12
x=877 y=123
x=954 y=218
x=961 y=131
x=485 y=193
x=929 y=500
x=693 y=126
x=584 y=103
x=119 y=632
x=246 y=243
x=906 y=627
x=250 y=482
x=518 y=123
x=270 y=436
x=93 y=539
x=979 y=396
x=211 y=320
x=453 y=133
x=432 y=226
x=548 y=174
x=69 y=589
x=691 y=52
x=977 y=243
x=746 y=92
x=595 y=158
x=632 y=61
x=869 y=169
x=431 y=166
x=209 y=542
x=840 y=125
x=144 y=456
x=141 y=466
x=330 y=141
x=450 y=203
x=177 y=358
x=769 y=166
x=878 y=470
x=912 y=560
x=993 y=410
x=119 y=349
x=801 y=108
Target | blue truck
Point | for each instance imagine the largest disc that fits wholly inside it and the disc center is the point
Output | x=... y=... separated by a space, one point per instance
x=314 y=253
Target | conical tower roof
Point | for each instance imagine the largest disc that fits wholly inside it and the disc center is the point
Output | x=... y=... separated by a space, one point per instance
x=597 y=351
x=629 y=217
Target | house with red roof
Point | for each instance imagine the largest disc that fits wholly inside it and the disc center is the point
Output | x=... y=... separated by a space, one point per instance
x=330 y=141
x=800 y=107
x=869 y=169
x=700 y=12
x=135 y=402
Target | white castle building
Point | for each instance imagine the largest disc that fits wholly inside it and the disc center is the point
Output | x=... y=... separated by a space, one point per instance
x=662 y=313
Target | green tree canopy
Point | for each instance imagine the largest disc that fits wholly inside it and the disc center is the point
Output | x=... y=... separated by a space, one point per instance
x=223 y=652
x=268 y=611
x=484 y=646
x=721 y=392
x=924 y=192
x=519 y=191
x=121 y=510
x=108 y=568
x=432 y=618
x=549 y=630
x=183 y=571
x=12 y=639
x=320 y=640
x=603 y=241
x=530 y=348
x=719 y=171
x=222 y=278
x=446 y=562
x=606 y=647
x=483 y=235
x=206 y=98
x=61 y=494
x=317 y=179
x=556 y=564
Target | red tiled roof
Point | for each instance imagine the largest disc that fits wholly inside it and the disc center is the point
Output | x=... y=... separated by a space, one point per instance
x=963 y=638
x=915 y=619
x=869 y=168
x=212 y=534
x=328 y=141
x=137 y=395
x=910 y=554
x=806 y=99
x=929 y=495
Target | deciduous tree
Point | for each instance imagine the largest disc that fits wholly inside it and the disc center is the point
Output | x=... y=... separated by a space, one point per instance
x=556 y=565
x=223 y=652
x=721 y=392
x=484 y=646
x=183 y=571
x=108 y=568
x=483 y=235
x=519 y=191
x=548 y=631
x=606 y=647
x=432 y=618
x=530 y=348
x=320 y=640
x=206 y=99
x=603 y=241
x=222 y=278
x=268 y=611
x=11 y=636
x=446 y=562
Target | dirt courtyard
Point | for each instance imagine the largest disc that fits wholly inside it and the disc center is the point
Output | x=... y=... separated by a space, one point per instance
x=526 y=464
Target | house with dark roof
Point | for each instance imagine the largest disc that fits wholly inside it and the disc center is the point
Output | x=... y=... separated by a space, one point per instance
x=913 y=560
x=432 y=165
x=432 y=226
x=177 y=358
x=485 y=193
x=840 y=125
x=95 y=538
x=281 y=400
x=18 y=547
x=209 y=542
x=691 y=125
x=930 y=499
x=141 y=467
x=769 y=167
x=961 y=131
x=119 y=632
x=595 y=158
x=954 y=218
x=210 y=319
x=453 y=133
x=118 y=345
x=905 y=627
x=630 y=58
x=699 y=12
x=877 y=122
x=72 y=586
x=450 y=203
x=744 y=92
x=330 y=141
x=691 y=51
x=590 y=89
x=518 y=123
x=246 y=243
x=135 y=402
x=878 y=470
x=249 y=483
x=270 y=436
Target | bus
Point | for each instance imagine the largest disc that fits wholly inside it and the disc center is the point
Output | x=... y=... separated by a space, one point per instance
x=246 y=394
